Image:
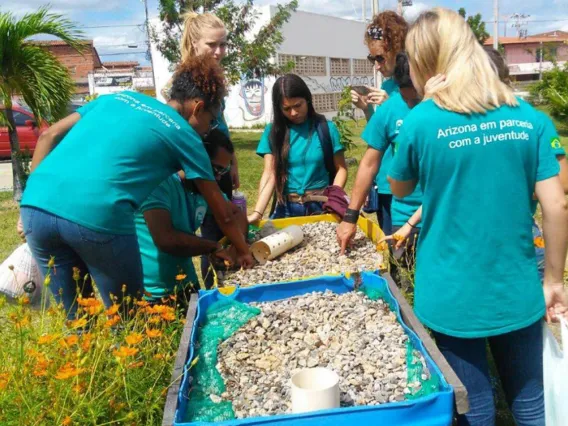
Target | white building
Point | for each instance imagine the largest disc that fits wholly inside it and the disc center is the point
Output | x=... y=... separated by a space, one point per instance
x=104 y=82
x=329 y=53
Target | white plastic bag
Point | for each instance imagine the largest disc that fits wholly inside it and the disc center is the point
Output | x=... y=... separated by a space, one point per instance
x=19 y=274
x=555 y=365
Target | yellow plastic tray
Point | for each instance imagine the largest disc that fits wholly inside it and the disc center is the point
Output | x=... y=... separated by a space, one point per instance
x=369 y=228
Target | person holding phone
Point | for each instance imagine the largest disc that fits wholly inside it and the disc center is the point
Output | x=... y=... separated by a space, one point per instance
x=384 y=37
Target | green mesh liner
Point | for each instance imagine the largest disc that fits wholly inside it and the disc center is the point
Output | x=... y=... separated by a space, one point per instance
x=421 y=381
x=222 y=320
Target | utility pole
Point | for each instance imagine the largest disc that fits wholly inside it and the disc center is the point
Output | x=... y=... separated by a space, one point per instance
x=541 y=57
x=495 y=24
x=147 y=25
x=375 y=7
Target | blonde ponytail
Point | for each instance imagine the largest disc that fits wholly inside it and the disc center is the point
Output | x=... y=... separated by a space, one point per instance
x=194 y=25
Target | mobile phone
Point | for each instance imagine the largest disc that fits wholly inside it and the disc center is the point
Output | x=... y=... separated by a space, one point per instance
x=361 y=90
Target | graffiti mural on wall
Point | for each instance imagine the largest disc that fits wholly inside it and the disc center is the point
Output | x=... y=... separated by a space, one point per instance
x=253 y=93
x=337 y=84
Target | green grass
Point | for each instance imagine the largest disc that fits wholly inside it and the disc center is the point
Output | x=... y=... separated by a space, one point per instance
x=9 y=239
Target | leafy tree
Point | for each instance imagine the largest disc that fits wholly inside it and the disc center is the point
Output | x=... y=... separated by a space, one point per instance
x=476 y=24
x=553 y=90
x=245 y=56
x=34 y=74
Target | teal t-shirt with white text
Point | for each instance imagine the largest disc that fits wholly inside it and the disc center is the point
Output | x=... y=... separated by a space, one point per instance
x=187 y=210
x=383 y=186
x=550 y=134
x=476 y=271
x=306 y=165
x=380 y=134
x=122 y=148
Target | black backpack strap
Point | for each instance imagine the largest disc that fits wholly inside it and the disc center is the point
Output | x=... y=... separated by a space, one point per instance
x=324 y=136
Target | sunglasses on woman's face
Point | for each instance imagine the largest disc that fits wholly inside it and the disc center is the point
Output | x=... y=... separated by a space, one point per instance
x=220 y=171
x=377 y=58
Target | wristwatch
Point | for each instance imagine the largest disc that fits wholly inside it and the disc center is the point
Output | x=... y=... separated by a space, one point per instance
x=351 y=216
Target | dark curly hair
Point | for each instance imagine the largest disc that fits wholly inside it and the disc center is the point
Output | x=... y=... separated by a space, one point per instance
x=402 y=71
x=394 y=29
x=199 y=77
x=500 y=64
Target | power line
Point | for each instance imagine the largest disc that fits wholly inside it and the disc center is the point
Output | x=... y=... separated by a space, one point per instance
x=113 y=26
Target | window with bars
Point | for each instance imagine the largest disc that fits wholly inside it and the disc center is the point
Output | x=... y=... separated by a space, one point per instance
x=305 y=65
x=340 y=66
x=326 y=102
x=362 y=67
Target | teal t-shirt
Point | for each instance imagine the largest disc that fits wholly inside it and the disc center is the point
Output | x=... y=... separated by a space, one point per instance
x=549 y=135
x=383 y=186
x=380 y=134
x=187 y=210
x=306 y=166
x=476 y=271
x=122 y=148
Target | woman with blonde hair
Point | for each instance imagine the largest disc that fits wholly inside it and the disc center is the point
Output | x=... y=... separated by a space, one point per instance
x=205 y=34
x=479 y=156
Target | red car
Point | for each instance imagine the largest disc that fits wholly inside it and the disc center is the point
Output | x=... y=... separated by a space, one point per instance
x=28 y=131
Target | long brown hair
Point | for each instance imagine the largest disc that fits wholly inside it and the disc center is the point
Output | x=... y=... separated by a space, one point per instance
x=287 y=86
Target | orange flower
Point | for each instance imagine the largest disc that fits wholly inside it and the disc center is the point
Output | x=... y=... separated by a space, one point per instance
x=168 y=316
x=125 y=351
x=69 y=340
x=79 y=323
x=4 y=379
x=112 y=310
x=68 y=371
x=181 y=277
x=160 y=309
x=539 y=242
x=86 y=341
x=135 y=364
x=382 y=246
x=153 y=333
x=154 y=320
x=142 y=303
x=159 y=356
x=67 y=421
x=41 y=369
x=24 y=300
x=112 y=322
x=46 y=339
x=134 y=339
x=78 y=388
x=397 y=237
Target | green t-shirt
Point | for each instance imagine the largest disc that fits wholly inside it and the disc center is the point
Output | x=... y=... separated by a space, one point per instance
x=380 y=134
x=476 y=271
x=383 y=186
x=550 y=135
x=187 y=210
x=122 y=148
x=306 y=165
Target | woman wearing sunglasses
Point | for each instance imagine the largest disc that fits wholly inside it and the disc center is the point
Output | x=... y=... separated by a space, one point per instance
x=166 y=225
x=294 y=162
x=385 y=39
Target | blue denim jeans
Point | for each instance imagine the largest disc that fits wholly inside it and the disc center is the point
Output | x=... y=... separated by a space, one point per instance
x=539 y=251
x=290 y=209
x=111 y=261
x=384 y=213
x=210 y=231
x=518 y=358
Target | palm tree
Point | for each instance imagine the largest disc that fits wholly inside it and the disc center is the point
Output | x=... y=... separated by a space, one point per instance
x=33 y=73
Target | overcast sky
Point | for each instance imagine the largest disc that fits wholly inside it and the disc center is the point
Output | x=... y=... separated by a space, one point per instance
x=118 y=22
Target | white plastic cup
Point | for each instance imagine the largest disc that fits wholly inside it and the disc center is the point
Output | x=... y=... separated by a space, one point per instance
x=274 y=245
x=314 y=389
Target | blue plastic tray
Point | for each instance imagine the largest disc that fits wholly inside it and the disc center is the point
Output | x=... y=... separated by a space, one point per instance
x=432 y=410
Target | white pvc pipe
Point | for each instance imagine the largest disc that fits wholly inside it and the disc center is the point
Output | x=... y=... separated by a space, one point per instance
x=274 y=245
x=314 y=389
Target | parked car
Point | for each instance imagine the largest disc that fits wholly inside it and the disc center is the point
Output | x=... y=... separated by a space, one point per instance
x=28 y=131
